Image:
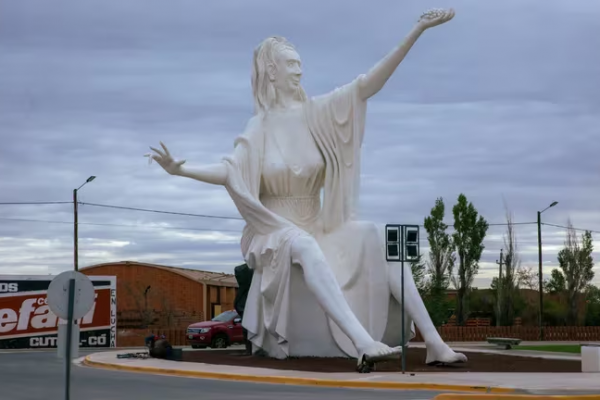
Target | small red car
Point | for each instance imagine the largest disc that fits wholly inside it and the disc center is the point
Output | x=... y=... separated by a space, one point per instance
x=222 y=331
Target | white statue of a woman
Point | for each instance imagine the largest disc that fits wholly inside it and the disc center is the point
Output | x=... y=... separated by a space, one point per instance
x=306 y=252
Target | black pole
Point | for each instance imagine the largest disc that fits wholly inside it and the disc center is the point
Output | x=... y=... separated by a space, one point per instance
x=540 y=276
x=69 y=339
x=499 y=289
x=402 y=254
x=75 y=233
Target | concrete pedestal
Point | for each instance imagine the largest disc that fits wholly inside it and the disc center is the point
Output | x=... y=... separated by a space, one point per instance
x=62 y=341
x=590 y=358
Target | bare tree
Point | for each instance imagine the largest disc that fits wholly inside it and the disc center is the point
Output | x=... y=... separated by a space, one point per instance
x=508 y=285
x=139 y=295
x=167 y=311
x=527 y=277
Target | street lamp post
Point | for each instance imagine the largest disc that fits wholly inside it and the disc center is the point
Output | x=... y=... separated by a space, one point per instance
x=75 y=224
x=540 y=275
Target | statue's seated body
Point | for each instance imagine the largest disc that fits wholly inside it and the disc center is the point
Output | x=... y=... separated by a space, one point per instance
x=321 y=284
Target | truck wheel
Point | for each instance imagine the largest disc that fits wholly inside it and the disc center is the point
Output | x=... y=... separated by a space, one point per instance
x=219 y=342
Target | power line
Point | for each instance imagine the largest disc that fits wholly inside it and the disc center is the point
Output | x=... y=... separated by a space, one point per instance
x=35 y=220
x=34 y=203
x=161 y=211
x=423 y=236
x=575 y=229
x=188 y=214
x=213 y=216
x=513 y=223
x=118 y=225
x=231 y=218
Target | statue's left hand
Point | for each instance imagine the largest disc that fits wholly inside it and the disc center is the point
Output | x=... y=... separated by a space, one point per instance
x=435 y=17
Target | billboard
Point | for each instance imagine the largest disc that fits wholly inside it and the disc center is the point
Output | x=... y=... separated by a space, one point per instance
x=26 y=320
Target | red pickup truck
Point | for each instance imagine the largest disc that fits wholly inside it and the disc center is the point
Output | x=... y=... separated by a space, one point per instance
x=222 y=331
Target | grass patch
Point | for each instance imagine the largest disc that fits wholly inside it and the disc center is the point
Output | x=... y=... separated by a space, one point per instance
x=558 y=348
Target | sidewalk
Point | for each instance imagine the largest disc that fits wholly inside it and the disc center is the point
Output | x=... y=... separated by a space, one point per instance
x=457 y=381
x=484 y=347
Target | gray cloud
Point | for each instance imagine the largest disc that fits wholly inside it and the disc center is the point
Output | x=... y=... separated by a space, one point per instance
x=500 y=104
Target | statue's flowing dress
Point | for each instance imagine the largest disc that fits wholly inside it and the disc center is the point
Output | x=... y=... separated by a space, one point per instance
x=278 y=193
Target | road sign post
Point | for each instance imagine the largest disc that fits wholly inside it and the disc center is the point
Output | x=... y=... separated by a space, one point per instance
x=402 y=244
x=70 y=296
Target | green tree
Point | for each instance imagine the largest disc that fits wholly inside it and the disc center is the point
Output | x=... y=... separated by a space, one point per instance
x=556 y=284
x=469 y=231
x=419 y=272
x=555 y=312
x=592 y=311
x=440 y=263
x=519 y=306
x=576 y=262
x=482 y=303
x=527 y=277
x=555 y=308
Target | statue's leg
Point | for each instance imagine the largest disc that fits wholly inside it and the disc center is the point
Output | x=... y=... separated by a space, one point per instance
x=437 y=350
x=321 y=281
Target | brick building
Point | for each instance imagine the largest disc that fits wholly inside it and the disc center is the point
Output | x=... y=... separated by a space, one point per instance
x=167 y=297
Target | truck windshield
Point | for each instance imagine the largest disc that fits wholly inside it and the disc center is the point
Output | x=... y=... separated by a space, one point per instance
x=226 y=316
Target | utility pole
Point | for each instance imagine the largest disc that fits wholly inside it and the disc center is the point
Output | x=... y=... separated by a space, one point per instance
x=75 y=232
x=76 y=224
x=540 y=276
x=540 y=272
x=499 y=288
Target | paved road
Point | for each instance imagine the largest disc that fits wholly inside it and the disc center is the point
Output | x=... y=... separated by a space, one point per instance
x=40 y=375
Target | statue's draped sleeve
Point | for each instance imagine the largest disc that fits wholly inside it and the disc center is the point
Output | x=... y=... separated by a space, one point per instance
x=337 y=122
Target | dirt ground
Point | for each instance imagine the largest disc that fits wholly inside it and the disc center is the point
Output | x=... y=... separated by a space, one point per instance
x=415 y=362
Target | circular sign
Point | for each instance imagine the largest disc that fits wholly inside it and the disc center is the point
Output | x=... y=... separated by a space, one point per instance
x=58 y=295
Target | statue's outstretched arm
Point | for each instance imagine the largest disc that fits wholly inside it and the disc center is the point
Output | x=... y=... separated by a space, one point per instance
x=215 y=174
x=376 y=78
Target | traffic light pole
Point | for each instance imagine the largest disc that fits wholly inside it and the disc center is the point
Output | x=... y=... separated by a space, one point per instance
x=398 y=239
x=402 y=295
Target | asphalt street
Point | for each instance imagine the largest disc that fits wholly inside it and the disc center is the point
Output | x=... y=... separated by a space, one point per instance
x=40 y=375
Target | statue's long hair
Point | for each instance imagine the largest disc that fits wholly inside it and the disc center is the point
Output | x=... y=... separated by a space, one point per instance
x=262 y=87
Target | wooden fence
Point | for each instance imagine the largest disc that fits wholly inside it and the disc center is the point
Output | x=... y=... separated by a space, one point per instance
x=135 y=337
x=527 y=333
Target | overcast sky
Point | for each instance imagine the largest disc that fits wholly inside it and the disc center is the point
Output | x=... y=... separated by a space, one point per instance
x=501 y=104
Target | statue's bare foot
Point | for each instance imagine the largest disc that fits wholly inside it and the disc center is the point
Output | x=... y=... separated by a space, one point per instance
x=442 y=354
x=378 y=351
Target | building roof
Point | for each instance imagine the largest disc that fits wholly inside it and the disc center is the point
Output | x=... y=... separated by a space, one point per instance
x=207 y=277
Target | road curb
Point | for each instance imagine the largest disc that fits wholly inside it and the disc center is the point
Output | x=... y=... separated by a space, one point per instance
x=452 y=396
x=289 y=380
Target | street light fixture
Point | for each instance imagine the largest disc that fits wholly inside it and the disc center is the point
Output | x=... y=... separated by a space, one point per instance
x=75 y=224
x=540 y=276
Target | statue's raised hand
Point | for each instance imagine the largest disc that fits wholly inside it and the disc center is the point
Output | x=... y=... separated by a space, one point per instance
x=434 y=17
x=164 y=159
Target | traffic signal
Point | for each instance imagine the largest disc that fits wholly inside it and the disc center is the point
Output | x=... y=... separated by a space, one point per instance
x=411 y=242
x=393 y=242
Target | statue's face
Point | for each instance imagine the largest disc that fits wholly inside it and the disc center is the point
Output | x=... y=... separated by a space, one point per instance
x=286 y=76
